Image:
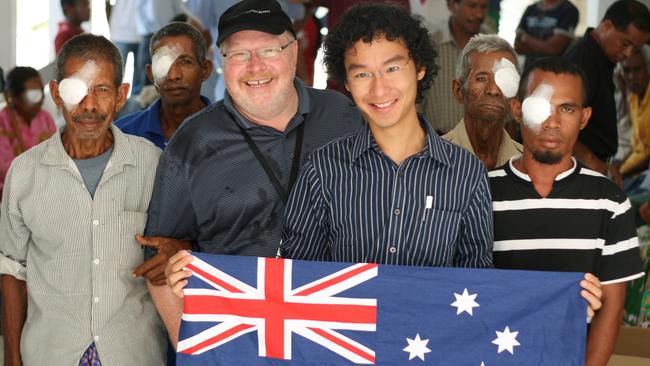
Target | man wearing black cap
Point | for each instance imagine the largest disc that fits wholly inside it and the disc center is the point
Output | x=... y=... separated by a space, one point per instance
x=223 y=180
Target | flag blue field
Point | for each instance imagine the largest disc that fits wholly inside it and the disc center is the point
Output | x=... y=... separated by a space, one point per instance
x=267 y=311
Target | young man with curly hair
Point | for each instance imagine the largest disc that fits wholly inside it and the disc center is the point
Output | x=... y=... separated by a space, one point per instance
x=393 y=192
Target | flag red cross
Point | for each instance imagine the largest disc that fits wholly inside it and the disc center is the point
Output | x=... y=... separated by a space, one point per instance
x=280 y=303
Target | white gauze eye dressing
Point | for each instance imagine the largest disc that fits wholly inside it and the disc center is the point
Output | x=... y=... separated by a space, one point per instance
x=33 y=96
x=163 y=60
x=506 y=77
x=537 y=107
x=73 y=89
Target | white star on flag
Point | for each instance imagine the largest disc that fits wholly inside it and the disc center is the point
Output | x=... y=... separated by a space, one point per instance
x=465 y=302
x=506 y=340
x=417 y=347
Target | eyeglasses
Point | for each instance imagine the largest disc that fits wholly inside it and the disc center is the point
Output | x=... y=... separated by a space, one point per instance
x=265 y=54
x=389 y=72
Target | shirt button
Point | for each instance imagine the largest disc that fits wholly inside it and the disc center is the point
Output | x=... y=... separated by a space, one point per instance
x=397 y=211
x=96 y=261
x=400 y=174
x=96 y=299
x=95 y=222
x=96 y=338
x=392 y=250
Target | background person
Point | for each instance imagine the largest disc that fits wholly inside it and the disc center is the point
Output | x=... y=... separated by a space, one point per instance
x=546 y=29
x=624 y=28
x=75 y=12
x=23 y=123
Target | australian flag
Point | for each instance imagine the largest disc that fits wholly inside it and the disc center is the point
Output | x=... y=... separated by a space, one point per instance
x=267 y=311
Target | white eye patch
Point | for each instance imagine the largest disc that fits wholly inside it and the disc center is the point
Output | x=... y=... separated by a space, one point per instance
x=74 y=88
x=163 y=60
x=72 y=91
x=33 y=96
x=506 y=77
x=537 y=107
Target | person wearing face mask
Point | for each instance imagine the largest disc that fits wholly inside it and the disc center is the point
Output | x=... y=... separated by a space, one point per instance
x=23 y=123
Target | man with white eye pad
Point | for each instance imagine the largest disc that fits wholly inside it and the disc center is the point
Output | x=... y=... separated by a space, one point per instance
x=553 y=214
x=71 y=208
x=178 y=68
x=486 y=78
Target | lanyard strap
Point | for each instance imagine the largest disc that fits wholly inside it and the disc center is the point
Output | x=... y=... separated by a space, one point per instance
x=295 y=165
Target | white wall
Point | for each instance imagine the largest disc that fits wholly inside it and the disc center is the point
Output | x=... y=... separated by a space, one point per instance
x=7 y=34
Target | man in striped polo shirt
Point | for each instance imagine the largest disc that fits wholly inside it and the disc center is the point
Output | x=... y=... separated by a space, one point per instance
x=553 y=214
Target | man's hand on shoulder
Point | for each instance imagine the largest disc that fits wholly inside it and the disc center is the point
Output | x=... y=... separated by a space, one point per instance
x=154 y=269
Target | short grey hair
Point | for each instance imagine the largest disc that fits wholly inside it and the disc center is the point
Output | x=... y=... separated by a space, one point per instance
x=481 y=43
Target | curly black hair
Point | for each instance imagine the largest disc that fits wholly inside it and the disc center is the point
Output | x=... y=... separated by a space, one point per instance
x=370 y=21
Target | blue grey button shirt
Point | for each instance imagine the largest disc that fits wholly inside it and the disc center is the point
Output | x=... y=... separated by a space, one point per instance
x=352 y=203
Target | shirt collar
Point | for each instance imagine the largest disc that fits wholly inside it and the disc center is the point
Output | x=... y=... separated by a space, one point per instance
x=540 y=6
x=526 y=177
x=433 y=144
x=153 y=118
x=304 y=107
x=507 y=146
x=154 y=126
x=122 y=155
x=67 y=26
x=445 y=30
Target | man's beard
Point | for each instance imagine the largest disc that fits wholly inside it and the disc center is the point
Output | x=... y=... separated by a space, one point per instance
x=547 y=157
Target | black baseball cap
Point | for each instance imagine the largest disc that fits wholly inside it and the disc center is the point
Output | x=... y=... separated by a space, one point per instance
x=260 y=15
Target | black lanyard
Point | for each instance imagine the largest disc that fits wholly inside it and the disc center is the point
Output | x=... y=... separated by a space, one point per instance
x=295 y=165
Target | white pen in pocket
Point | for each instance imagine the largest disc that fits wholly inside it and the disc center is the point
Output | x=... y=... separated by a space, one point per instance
x=428 y=205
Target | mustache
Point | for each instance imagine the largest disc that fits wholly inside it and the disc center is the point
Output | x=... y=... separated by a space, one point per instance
x=89 y=116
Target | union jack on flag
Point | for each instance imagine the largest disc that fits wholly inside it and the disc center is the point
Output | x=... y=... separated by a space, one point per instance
x=275 y=309
x=260 y=311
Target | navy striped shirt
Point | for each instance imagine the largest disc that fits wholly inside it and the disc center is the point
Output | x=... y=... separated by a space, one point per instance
x=352 y=203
